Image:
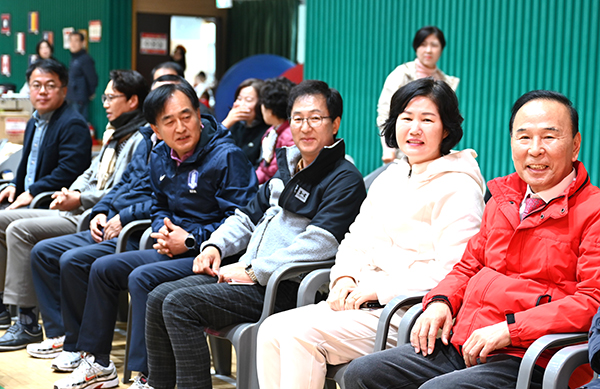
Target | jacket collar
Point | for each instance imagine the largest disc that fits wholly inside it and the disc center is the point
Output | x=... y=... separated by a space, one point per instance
x=288 y=157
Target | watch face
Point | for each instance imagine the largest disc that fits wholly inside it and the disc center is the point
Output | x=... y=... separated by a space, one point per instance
x=190 y=242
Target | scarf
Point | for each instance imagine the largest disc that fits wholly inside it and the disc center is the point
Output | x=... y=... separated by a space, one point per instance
x=423 y=71
x=117 y=131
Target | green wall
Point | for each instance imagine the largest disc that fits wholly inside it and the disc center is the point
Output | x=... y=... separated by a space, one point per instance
x=499 y=48
x=112 y=52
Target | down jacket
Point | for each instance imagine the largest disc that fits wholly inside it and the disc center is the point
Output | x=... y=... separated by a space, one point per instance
x=541 y=275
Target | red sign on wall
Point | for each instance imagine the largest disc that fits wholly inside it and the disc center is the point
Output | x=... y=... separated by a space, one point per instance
x=153 y=43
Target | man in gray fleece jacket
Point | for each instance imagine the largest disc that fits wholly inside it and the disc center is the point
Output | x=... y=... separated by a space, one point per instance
x=300 y=215
x=22 y=228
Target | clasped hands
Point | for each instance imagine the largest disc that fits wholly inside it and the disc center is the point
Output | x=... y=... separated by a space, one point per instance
x=347 y=295
x=478 y=346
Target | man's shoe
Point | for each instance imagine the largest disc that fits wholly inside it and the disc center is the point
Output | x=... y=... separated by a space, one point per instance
x=140 y=382
x=66 y=361
x=89 y=374
x=49 y=348
x=18 y=337
x=5 y=321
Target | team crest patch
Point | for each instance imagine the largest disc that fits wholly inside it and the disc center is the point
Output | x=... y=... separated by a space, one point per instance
x=302 y=194
x=193 y=179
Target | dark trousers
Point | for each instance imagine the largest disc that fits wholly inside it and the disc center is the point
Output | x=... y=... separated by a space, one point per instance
x=179 y=311
x=138 y=271
x=60 y=268
x=401 y=367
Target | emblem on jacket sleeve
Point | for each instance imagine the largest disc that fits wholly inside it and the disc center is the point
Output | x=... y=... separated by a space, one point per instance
x=301 y=194
x=193 y=180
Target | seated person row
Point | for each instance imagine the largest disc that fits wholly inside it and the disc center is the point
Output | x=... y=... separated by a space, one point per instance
x=392 y=249
x=300 y=215
x=130 y=199
x=56 y=150
x=198 y=178
x=533 y=269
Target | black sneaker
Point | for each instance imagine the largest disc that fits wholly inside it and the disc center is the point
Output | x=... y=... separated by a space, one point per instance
x=18 y=337
x=5 y=321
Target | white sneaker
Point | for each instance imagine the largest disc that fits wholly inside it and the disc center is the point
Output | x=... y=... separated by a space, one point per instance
x=91 y=375
x=140 y=382
x=66 y=361
x=49 y=348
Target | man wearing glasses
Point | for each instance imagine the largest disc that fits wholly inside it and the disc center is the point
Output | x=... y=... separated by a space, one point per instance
x=300 y=215
x=21 y=229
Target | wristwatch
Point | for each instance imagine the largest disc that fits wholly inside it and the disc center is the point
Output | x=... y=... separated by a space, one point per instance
x=251 y=274
x=190 y=242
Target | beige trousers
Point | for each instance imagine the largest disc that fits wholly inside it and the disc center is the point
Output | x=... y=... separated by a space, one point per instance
x=295 y=346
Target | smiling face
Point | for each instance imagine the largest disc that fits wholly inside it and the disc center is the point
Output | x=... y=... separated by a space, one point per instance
x=311 y=140
x=420 y=131
x=542 y=143
x=179 y=124
x=430 y=51
x=50 y=95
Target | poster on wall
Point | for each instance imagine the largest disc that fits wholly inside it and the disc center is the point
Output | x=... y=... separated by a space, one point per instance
x=95 y=30
x=5 y=24
x=65 y=33
x=48 y=36
x=153 y=43
x=34 y=22
x=20 y=46
x=5 y=65
x=32 y=58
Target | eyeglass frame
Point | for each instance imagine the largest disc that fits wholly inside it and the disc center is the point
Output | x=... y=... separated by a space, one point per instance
x=48 y=87
x=302 y=120
x=104 y=98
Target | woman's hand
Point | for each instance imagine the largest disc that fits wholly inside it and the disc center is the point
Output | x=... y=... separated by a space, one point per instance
x=346 y=295
x=237 y=114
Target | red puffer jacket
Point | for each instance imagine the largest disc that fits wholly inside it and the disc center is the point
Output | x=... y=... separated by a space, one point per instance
x=541 y=275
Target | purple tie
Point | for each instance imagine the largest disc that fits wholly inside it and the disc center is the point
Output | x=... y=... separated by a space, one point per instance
x=532 y=204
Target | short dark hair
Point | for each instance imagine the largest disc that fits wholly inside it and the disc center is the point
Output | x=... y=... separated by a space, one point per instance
x=77 y=33
x=157 y=99
x=335 y=105
x=274 y=95
x=168 y=65
x=424 y=32
x=546 y=95
x=39 y=44
x=442 y=96
x=50 y=66
x=168 y=78
x=130 y=82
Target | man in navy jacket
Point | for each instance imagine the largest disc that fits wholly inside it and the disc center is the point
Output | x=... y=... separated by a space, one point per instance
x=57 y=147
x=198 y=177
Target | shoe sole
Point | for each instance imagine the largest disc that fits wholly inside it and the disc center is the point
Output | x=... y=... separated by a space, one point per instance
x=49 y=355
x=112 y=383
x=12 y=348
x=5 y=326
x=63 y=369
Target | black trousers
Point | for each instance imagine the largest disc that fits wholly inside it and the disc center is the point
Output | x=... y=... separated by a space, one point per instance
x=401 y=367
x=177 y=313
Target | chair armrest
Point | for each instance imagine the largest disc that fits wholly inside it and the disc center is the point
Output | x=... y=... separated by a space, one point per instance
x=538 y=347
x=383 y=327
x=128 y=230
x=41 y=200
x=84 y=222
x=146 y=241
x=563 y=364
x=310 y=285
x=407 y=323
x=285 y=272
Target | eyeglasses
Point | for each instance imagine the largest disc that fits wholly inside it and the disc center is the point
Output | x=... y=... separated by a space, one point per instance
x=313 y=121
x=110 y=98
x=49 y=87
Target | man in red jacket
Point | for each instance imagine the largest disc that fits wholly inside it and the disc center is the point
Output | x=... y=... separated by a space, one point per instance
x=533 y=269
